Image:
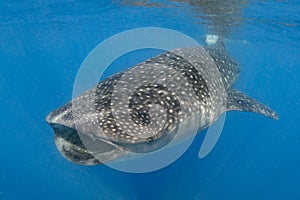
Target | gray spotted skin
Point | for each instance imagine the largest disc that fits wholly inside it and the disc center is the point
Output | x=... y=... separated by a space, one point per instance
x=227 y=66
x=140 y=110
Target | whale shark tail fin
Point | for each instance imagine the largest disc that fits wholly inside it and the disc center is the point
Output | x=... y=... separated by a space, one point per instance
x=241 y=102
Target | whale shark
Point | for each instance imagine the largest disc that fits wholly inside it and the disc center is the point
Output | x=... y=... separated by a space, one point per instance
x=140 y=110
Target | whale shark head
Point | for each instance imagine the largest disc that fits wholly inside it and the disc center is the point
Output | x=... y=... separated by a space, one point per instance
x=66 y=136
x=70 y=143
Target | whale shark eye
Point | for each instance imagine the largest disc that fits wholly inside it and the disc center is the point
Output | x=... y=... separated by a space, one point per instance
x=149 y=139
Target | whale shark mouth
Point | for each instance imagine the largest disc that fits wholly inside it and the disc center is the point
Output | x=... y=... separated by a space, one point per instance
x=71 y=147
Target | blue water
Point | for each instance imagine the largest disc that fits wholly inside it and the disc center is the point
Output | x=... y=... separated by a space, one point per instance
x=42 y=45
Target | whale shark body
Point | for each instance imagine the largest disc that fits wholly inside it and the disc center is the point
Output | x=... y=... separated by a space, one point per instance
x=140 y=110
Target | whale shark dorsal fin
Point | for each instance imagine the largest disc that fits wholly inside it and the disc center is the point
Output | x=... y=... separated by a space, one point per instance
x=239 y=101
x=215 y=41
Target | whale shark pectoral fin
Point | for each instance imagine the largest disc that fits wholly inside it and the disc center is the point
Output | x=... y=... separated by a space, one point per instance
x=239 y=101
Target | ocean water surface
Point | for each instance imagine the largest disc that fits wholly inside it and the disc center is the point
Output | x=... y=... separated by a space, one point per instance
x=42 y=45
